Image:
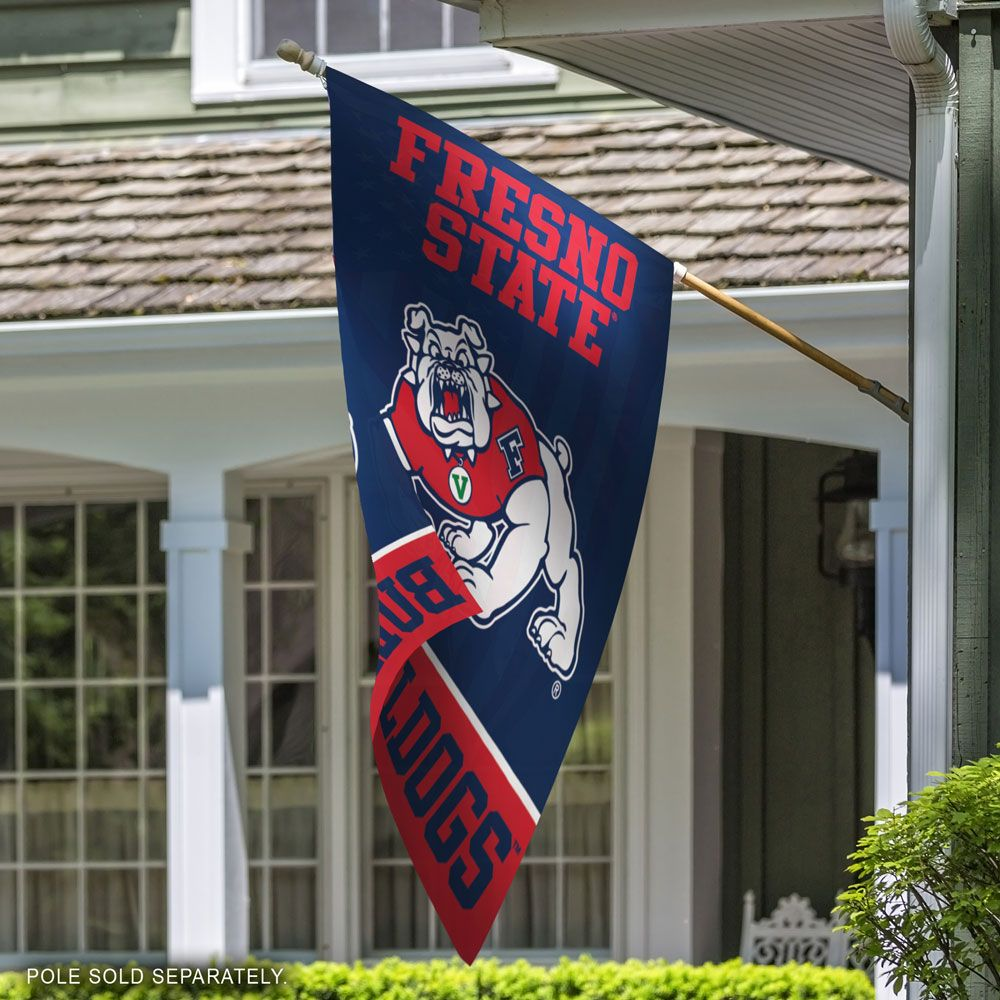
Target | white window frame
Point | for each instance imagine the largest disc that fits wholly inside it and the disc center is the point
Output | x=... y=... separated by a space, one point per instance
x=317 y=487
x=79 y=486
x=223 y=70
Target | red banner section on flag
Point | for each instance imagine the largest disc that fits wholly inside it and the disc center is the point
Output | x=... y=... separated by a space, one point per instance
x=463 y=815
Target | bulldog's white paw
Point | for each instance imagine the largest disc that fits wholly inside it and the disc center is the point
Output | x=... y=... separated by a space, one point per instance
x=453 y=537
x=548 y=635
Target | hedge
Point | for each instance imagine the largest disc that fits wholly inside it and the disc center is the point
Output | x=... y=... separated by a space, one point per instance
x=485 y=980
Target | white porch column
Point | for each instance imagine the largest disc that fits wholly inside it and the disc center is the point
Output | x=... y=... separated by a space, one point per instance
x=889 y=519
x=671 y=806
x=890 y=522
x=207 y=882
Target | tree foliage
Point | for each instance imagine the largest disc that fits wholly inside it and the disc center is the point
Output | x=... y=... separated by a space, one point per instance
x=926 y=901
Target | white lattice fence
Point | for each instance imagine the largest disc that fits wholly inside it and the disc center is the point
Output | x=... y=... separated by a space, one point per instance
x=793 y=933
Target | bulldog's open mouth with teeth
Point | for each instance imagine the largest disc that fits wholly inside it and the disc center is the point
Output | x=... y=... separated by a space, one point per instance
x=451 y=410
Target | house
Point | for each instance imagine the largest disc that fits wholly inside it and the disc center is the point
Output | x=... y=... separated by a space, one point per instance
x=185 y=591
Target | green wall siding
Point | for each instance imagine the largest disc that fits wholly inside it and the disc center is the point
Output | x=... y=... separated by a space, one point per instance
x=91 y=68
x=976 y=664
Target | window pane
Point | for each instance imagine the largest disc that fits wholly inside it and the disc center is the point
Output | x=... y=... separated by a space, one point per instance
x=545 y=840
x=156 y=558
x=254 y=725
x=257 y=876
x=50 y=816
x=156 y=909
x=51 y=903
x=293 y=816
x=156 y=819
x=352 y=26
x=112 y=910
x=253 y=599
x=587 y=813
x=8 y=821
x=111 y=543
x=49 y=637
x=156 y=635
x=252 y=515
x=401 y=909
x=293 y=632
x=286 y=19
x=293 y=536
x=111 y=727
x=50 y=726
x=591 y=742
x=7 y=731
x=386 y=841
x=255 y=817
x=293 y=726
x=156 y=726
x=588 y=906
x=7 y=638
x=415 y=24
x=109 y=643
x=6 y=546
x=528 y=919
x=50 y=533
x=293 y=908
x=111 y=816
x=464 y=27
x=8 y=911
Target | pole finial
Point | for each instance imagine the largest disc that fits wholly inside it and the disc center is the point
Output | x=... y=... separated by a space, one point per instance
x=292 y=52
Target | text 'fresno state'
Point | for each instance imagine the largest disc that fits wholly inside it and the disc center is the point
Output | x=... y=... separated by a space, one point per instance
x=554 y=269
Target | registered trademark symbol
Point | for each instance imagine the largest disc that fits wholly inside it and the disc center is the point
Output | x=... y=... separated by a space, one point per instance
x=556 y=689
x=517 y=847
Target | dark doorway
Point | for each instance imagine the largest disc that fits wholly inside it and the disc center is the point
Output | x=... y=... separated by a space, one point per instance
x=798 y=678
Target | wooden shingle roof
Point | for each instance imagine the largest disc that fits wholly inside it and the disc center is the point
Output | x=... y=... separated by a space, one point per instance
x=229 y=223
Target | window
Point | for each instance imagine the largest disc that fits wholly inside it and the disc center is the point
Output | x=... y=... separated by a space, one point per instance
x=560 y=900
x=397 y=45
x=281 y=698
x=358 y=27
x=82 y=728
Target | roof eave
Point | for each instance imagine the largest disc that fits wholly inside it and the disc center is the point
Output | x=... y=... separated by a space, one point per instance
x=816 y=74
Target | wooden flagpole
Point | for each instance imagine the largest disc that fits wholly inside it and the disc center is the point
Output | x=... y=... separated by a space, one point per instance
x=311 y=63
x=869 y=386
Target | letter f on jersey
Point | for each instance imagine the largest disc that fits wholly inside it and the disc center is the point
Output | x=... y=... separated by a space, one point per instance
x=511 y=444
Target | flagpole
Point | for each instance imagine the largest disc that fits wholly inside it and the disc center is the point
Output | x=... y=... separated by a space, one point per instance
x=869 y=386
x=310 y=62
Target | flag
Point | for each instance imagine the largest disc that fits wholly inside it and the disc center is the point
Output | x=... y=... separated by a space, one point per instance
x=503 y=352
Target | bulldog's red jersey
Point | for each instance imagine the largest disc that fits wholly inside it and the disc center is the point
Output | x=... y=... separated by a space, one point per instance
x=479 y=488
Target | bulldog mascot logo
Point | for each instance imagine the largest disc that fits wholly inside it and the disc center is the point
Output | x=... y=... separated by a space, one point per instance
x=503 y=489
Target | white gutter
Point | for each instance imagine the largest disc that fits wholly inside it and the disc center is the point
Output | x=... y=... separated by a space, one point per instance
x=294 y=329
x=932 y=486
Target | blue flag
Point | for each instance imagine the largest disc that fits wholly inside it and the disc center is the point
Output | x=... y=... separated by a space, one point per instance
x=503 y=350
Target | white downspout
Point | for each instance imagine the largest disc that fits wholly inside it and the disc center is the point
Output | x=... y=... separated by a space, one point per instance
x=932 y=478
x=932 y=486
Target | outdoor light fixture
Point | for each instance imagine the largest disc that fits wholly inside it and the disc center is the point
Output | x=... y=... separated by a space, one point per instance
x=848 y=554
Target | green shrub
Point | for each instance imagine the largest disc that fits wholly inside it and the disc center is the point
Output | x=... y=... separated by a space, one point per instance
x=926 y=901
x=488 y=980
